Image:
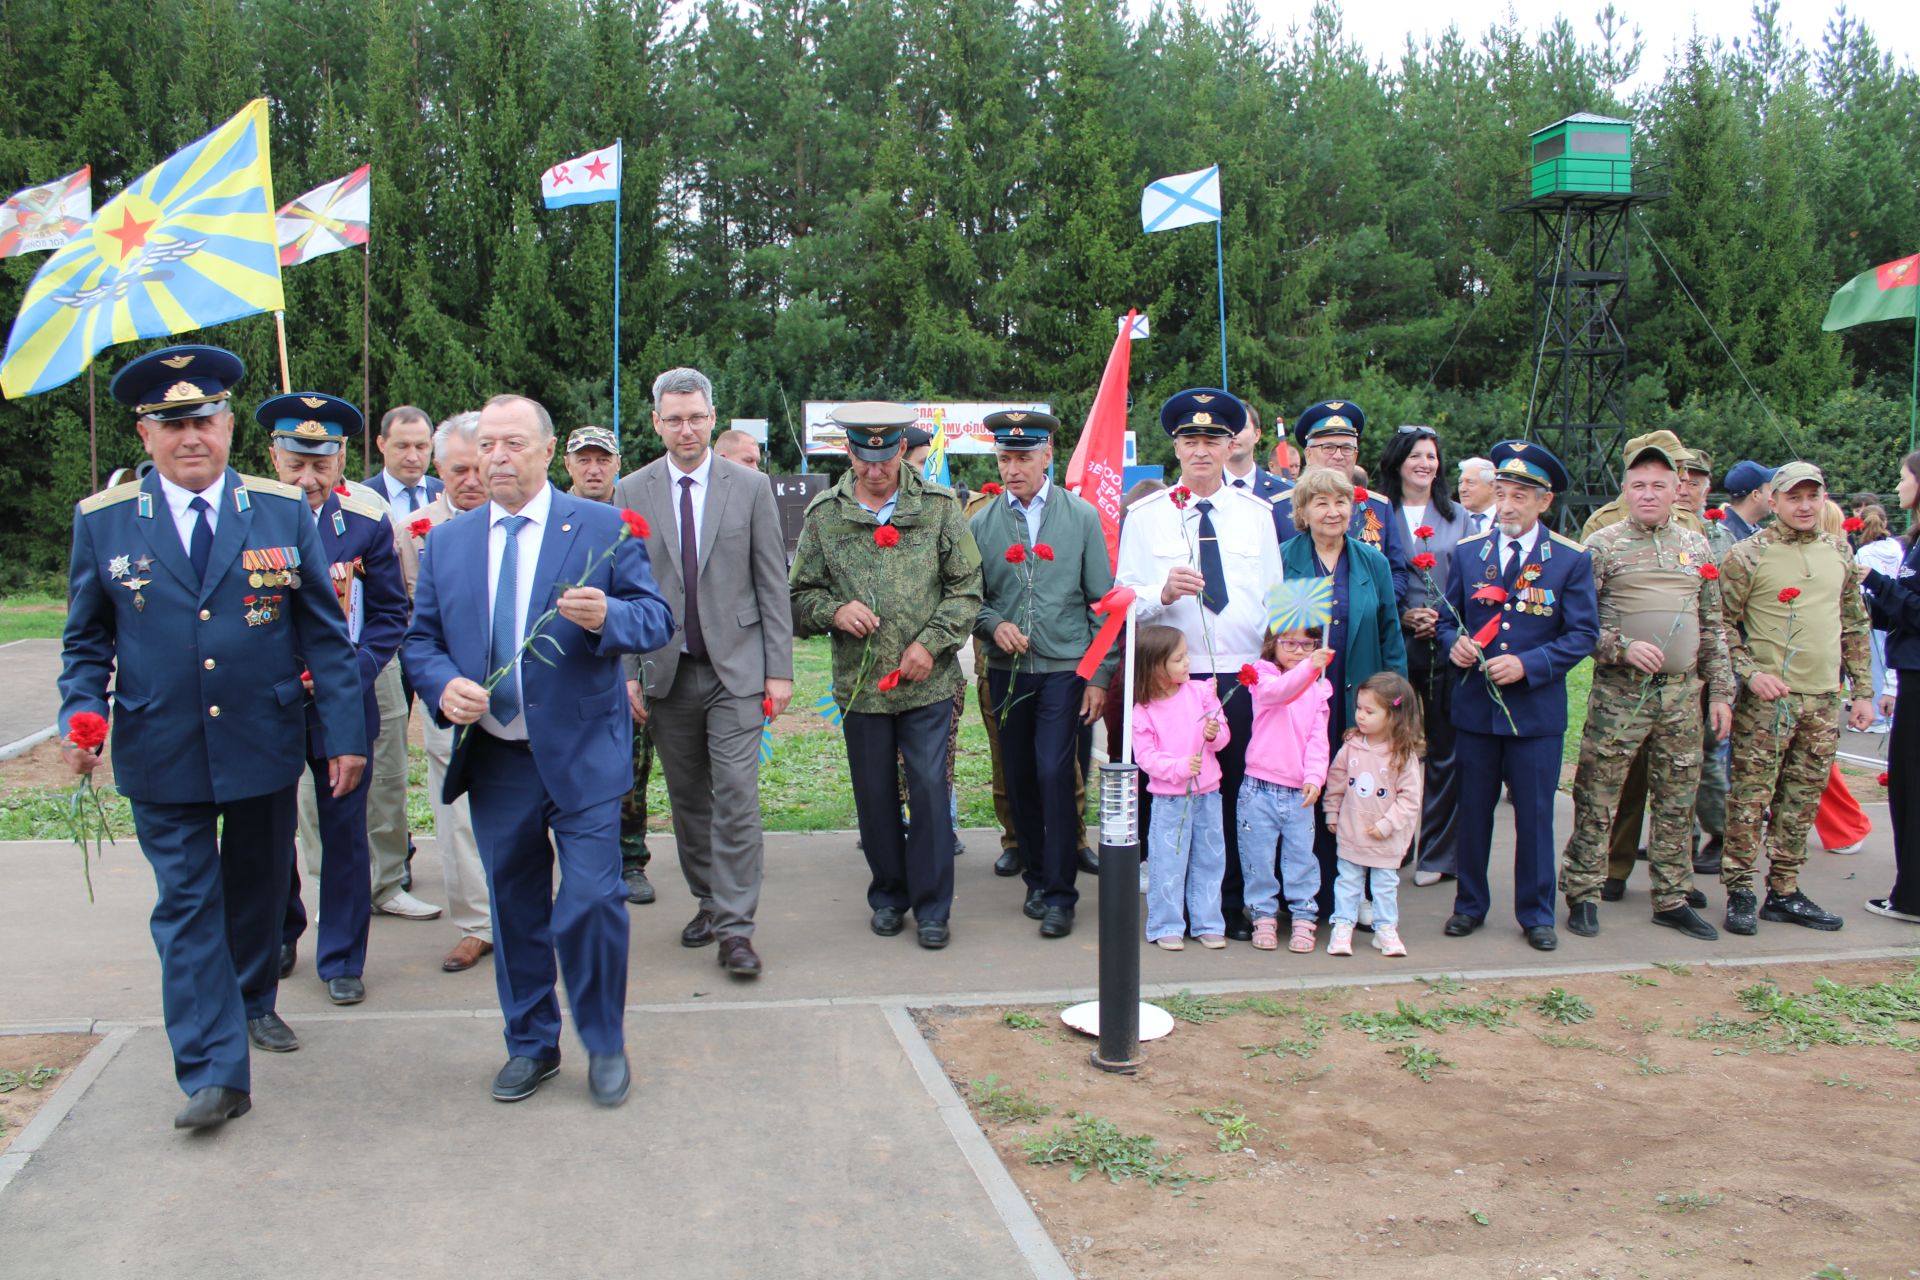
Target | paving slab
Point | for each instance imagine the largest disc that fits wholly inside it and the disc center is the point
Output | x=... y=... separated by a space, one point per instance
x=29 y=692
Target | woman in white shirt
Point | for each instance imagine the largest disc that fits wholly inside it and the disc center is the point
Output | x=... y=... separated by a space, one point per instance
x=1878 y=550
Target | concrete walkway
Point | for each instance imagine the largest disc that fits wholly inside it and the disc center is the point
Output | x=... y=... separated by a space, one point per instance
x=796 y=1125
x=29 y=693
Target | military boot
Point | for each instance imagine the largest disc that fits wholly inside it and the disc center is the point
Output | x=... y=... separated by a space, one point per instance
x=1741 y=906
x=1798 y=908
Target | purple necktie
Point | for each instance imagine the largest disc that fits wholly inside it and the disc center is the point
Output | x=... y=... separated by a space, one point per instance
x=690 y=569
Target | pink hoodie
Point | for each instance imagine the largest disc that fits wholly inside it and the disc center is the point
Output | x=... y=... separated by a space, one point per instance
x=1289 y=743
x=1166 y=733
x=1363 y=788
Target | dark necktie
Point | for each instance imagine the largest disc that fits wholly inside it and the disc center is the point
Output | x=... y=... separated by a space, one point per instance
x=690 y=570
x=1513 y=562
x=1211 y=567
x=417 y=497
x=1479 y=522
x=200 y=546
x=504 y=642
x=1239 y=484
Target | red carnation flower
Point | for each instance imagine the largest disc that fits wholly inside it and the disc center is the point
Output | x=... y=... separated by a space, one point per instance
x=1359 y=493
x=1424 y=531
x=1789 y=594
x=766 y=708
x=1041 y=551
x=1017 y=554
x=886 y=536
x=306 y=675
x=635 y=522
x=889 y=682
x=1249 y=676
x=342 y=490
x=420 y=528
x=87 y=730
x=1883 y=779
x=1181 y=496
x=1709 y=572
x=1715 y=513
x=991 y=487
x=1425 y=561
x=1853 y=524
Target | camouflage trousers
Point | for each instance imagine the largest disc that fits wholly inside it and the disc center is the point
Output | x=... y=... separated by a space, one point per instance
x=1782 y=753
x=1618 y=723
x=633 y=807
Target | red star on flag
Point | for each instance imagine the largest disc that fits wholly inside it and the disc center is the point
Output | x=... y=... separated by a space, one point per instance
x=598 y=168
x=131 y=233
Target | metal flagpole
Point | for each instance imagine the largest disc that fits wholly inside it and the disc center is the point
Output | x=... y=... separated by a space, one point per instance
x=1220 y=275
x=620 y=182
x=1913 y=396
x=93 y=437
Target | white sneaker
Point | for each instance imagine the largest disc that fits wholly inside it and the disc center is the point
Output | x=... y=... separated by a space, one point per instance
x=408 y=907
x=1365 y=920
x=1855 y=847
x=1426 y=878
x=1884 y=907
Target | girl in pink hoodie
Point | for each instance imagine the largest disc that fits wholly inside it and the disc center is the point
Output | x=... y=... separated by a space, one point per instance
x=1178 y=730
x=1373 y=806
x=1286 y=770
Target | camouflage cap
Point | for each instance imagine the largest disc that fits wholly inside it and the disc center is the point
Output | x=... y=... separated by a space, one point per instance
x=1698 y=460
x=592 y=438
x=1796 y=473
x=1662 y=444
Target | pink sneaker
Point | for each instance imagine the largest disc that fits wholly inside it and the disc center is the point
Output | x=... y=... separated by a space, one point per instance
x=1303 y=931
x=1266 y=935
x=1341 y=943
x=1386 y=939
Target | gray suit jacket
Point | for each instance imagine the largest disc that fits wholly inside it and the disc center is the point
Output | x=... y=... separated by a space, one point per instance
x=744 y=610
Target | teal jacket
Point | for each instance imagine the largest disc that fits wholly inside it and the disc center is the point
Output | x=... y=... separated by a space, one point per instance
x=1057 y=615
x=1372 y=626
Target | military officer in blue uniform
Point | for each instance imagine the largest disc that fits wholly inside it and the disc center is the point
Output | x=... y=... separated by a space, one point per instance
x=1329 y=436
x=208 y=707
x=309 y=431
x=1527 y=600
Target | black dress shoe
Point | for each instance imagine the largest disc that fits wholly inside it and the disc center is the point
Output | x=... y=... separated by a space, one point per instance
x=521 y=1076
x=1612 y=890
x=1583 y=918
x=699 y=930
x=1741 y=906
x=1798 y=908
x=1696 y=899
x=738 y=958
x=608 y=1077
x=934 y=934
x=639 y=888
x=1687 y=921
x=1459 y=925
x=1542 y=937
x=346 y=990
x=1704 y=865
x=215 y=1104
x=1058 y=923
x=1089 y=860
x=888 y=921
x=270 y=1033
x=1036 y=904
x=1239 y=928
x=1009 y=863
x=289 y=957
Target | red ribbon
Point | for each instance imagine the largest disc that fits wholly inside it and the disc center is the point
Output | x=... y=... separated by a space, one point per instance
x=1113 y=606
x=1495 y=596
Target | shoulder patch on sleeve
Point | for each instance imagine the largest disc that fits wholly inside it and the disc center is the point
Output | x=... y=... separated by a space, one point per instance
x=260 y=484
x=109 y=497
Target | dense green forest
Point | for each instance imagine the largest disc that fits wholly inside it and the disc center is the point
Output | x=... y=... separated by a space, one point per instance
x=836 y=198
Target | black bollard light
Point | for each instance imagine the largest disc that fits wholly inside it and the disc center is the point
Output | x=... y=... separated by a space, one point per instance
x=1119 y=1049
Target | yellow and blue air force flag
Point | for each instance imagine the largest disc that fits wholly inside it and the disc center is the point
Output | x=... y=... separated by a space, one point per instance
x=1181 y=200
x=188 y=244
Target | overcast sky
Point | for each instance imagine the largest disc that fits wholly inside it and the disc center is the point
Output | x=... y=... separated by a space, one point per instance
x=1382 y=26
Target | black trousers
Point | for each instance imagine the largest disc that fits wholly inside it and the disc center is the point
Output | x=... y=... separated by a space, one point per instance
x=1903 y=793
x=1437 y=847
x=915 y=871
x=1040 y=751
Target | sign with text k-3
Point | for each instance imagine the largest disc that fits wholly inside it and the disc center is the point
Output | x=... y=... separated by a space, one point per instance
x=592 y=177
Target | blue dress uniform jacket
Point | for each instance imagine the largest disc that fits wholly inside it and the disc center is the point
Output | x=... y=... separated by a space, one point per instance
x=1375 y=523
x=1262 y=483
x=358 y=538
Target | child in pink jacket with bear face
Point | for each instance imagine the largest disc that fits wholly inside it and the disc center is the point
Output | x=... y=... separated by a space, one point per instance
x=1372 y=805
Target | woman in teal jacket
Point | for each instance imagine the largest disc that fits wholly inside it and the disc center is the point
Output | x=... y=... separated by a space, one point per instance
x=1364 y=629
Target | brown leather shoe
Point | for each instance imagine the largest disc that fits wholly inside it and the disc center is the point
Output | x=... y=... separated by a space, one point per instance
x=737 y=958
x=699 y=930
x=466 y=953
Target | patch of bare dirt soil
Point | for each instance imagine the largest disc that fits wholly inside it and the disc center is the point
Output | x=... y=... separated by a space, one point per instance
x=31 y=1069
x=1691 y=1123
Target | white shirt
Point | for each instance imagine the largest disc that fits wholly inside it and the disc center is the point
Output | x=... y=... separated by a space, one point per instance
x=1479 y=521
x=532 y=534
x=184 y=517
x=1036 y=511
x=1243 y=481
x=1527 y=541
x=1157 y=537
x=1415 y=516
x=402 y=501
x=702 y=477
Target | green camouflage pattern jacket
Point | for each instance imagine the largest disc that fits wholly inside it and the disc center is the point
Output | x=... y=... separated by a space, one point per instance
x=1651 y=589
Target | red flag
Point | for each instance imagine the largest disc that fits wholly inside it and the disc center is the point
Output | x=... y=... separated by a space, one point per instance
x=1904 y=273
x=1095 y=470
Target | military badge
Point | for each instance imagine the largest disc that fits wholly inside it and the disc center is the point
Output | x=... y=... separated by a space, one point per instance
x=120 y=566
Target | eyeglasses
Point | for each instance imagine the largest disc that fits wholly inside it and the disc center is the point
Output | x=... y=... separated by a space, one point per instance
x=1297 y=646
x=1337 y=450
x=1413 y=429
x=683 y=424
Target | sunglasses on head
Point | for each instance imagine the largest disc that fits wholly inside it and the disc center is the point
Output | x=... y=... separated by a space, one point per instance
x=1412 y=430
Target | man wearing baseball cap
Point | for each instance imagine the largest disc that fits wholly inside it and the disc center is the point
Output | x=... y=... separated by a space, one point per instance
x=1749 y=495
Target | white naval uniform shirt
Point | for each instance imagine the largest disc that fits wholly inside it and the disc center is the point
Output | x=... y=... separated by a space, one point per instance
x=1157 y=537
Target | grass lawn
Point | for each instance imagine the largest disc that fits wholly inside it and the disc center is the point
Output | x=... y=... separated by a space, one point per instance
x=34 y=616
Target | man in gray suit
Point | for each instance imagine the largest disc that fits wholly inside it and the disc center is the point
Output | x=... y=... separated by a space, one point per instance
x=721 y=561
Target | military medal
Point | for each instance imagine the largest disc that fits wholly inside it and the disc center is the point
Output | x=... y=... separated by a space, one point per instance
x=134 y=585
x=120 y=566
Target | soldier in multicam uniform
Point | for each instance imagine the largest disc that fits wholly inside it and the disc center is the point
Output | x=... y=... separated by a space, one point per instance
x=1710 y=805
x=1660 y=635
x=1794 y=617
x=888 y=566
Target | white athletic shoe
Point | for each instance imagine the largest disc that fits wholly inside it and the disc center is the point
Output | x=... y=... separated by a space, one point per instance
x=1884 y=907
x=1426 y=878
x=1855 y=847
x=408 y=907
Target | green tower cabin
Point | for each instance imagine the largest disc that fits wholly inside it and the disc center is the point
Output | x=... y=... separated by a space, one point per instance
x=1585 y=154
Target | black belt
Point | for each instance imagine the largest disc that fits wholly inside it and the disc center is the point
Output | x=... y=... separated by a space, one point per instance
x=509 y=744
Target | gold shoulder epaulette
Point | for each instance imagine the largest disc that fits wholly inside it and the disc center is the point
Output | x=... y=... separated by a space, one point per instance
x=108 y=497
x=371 y=508
x=1565 y=541
x=260 y=484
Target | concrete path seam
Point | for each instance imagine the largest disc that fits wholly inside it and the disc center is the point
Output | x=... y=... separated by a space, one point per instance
x=48 y=1118
x=1016 y=1215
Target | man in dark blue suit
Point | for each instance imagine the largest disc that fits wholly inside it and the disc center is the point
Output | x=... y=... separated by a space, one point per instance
x=1242 y=471
x=1329 y=436
x=1527 y=600
x=405 y=437
x=310 y=430
x=208 y=705
x=549 y=745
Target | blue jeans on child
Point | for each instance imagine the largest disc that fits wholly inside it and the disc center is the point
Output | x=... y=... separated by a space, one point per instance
x=1347 y=884
x=1268 y=813
x=1186 y=859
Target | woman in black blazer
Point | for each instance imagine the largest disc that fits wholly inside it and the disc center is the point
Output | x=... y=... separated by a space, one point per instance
x=1895 y=604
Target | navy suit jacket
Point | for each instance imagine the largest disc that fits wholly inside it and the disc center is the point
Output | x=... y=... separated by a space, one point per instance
x=578 y=723
x=1263 y=483
x=1549 y=643
x=207 y=707
x=1375 y=523
x=378 y=483
x=354 y=529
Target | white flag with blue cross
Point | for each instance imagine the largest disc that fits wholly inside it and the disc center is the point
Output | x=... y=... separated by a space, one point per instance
x=1181 y=200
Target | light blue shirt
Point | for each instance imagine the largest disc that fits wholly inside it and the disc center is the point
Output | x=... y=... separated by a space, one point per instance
x=884 y=512
x=1034 y=511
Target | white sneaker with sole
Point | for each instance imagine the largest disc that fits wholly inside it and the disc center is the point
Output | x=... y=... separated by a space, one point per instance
x=408 y=907
x=1884 y=907
x=1855 y=847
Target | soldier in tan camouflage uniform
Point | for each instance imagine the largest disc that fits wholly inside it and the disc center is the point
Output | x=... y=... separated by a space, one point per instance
x=1660 y=636
x=1794 y=618
x=887 y=566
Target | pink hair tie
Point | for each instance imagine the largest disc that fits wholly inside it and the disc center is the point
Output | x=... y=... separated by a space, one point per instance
x=1396 y=702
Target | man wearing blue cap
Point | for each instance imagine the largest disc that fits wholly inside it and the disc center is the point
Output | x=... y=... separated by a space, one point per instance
x=1749 y=498
x=208 y=703
x=1329 y=436
x=309 y=431
x=1526 y=598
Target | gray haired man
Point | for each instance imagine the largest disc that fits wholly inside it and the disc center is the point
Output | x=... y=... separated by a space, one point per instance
x=1476 y=494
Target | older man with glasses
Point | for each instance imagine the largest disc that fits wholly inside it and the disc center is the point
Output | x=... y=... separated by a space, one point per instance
x=1329 y=436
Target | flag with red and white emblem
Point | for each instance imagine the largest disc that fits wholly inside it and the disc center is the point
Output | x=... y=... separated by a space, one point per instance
x=327 y=219
x=46 y=216
x=586 y=179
